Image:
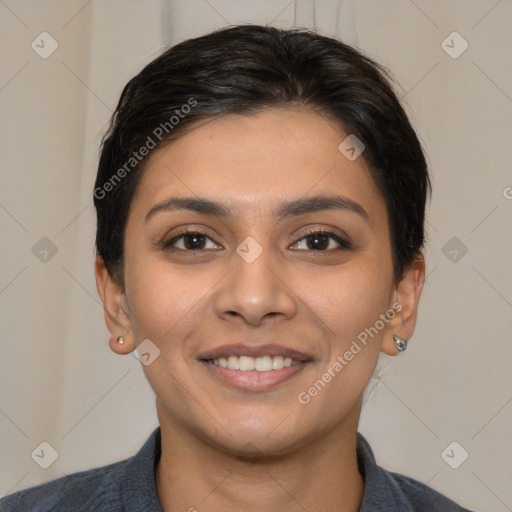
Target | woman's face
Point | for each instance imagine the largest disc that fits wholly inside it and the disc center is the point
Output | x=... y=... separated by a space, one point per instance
x=255 y=286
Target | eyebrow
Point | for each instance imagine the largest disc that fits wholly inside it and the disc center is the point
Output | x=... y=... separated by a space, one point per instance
x=287 y=209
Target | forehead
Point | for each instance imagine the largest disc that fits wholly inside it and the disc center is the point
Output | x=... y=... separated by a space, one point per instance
x=255 y=161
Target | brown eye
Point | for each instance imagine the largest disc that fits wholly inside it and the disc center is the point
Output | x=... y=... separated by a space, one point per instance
x=322 y=241
x=190 y=241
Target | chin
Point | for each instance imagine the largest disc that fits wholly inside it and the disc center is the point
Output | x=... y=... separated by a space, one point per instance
x=265 y=438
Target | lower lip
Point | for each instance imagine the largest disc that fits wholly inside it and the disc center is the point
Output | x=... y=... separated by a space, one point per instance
x=253 y=380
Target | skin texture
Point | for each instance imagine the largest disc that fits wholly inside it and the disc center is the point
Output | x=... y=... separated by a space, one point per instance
x=224 y=448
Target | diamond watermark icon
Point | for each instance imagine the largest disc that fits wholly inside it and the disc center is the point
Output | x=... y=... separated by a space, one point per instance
x=249 y=249
x=351 y=147
x=44 y=45
x=454 y=455
x=454 y=45
x=45 y=455
x=146 y=352
x=454 y=249
x=44 y=249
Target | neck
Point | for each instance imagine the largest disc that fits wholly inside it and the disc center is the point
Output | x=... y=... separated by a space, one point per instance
x=194 y=475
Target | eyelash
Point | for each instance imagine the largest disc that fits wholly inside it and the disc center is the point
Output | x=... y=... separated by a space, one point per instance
x=344 y=244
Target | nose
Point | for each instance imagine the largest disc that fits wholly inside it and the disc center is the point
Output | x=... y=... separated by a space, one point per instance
x=254 y=291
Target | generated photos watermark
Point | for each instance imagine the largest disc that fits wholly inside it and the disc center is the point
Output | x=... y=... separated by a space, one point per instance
x=305 y=397
x=158 y=134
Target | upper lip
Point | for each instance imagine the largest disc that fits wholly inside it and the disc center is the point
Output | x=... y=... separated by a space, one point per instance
x=254 y=351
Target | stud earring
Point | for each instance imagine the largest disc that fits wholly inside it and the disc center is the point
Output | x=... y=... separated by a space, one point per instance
x=120 y=340
x=400 y=343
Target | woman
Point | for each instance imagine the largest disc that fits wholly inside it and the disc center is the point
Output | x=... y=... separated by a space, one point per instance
x=260 y=201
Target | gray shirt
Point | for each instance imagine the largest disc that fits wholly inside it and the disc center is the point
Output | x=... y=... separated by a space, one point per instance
x=129 y=486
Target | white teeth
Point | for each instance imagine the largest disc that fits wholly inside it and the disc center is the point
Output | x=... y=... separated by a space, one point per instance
x=232 y=363
x=261 y=364
x=246 y=363
x=277 y=362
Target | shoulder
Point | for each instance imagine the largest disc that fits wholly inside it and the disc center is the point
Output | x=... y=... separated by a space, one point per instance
x=70 y=493
x=422 y=497
x=128 y=484
x=386 y=491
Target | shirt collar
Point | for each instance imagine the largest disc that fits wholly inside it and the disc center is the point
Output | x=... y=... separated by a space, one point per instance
x=138 y=488
x=381 y=491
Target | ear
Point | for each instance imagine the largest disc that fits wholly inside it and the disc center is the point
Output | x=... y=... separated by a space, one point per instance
x=116 y=309
x=404 y=302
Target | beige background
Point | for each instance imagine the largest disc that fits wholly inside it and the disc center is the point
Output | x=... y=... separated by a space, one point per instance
x=60 y=383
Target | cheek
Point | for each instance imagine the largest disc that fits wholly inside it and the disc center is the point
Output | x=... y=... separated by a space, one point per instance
x=362 y=304
x=350 y=299
x=161 y=300
x=350 y=310
x=165 y=308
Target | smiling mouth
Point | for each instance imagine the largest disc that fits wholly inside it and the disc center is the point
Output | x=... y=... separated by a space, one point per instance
x=254 y=367
x=254 y=374
x=260 y=364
